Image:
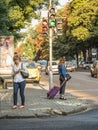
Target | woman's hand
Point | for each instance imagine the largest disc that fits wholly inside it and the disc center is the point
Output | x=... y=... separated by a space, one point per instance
x=16 y=72
x=21 y=70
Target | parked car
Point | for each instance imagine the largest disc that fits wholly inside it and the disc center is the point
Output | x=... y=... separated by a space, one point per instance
x=70 y=66
x=87 y=64
x=94 y=69
x=54 y=68
x=34 y=72
x=43 y=64
x=81 y=63
x=38 y=66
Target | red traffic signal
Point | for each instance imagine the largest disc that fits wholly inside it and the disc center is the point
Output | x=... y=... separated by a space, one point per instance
x=45 y=27
x=44 y=22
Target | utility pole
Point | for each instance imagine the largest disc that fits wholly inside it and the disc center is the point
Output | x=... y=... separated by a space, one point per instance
x=50 y=52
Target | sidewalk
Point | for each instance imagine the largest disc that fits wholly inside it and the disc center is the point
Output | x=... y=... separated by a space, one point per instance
x=37 y=104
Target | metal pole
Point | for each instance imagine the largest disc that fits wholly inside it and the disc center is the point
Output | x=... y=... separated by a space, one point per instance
x=50 y=3
x=50 y=53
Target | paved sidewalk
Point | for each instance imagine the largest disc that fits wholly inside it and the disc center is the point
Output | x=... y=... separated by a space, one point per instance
x=37 y=104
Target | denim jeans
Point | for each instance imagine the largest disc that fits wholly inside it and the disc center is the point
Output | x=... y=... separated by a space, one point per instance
x=62 y=89
x=17 y=86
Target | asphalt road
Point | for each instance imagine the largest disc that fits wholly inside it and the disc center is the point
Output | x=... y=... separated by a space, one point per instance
x=81 y=85
x=84 y=86
x=83 y=121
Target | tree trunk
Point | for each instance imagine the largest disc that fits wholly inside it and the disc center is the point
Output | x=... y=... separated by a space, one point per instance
x=84 y=54
x=89 y=54
x=97 y=54
x=77 y=59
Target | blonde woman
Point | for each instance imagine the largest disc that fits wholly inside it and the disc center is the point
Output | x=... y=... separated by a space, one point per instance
x=19 y=82
x=62 y=78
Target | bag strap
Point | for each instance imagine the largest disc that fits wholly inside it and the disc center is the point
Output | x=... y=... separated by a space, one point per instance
x=62 y=83
x=22 y=66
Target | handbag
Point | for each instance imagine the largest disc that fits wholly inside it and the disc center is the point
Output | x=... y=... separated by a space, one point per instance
x=24 y=74
x=68 y=76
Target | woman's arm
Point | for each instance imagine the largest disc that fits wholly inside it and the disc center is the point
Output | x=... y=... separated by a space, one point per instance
x=15 y=72
x=64 y=70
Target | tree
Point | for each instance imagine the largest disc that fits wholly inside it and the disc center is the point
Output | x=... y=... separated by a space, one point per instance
x=3 y=17
x=82 y=19
x=27 y=49
x=41 y=44
x=81 y=28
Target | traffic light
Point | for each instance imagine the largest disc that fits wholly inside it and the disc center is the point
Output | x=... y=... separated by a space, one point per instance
x=59 y=27
x=45 y=27
x=52 y=20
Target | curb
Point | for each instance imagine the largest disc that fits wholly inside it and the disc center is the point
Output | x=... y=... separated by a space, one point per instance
x=49 y=113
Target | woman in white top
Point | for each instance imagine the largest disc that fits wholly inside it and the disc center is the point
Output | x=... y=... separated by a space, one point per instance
x=19 y=82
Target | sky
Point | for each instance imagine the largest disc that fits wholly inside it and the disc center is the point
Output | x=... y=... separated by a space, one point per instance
x=63 y=2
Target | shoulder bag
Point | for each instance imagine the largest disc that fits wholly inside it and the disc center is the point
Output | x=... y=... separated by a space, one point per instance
x=24 y=74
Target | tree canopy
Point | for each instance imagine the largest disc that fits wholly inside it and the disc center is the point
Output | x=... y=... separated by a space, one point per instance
x=80 y=28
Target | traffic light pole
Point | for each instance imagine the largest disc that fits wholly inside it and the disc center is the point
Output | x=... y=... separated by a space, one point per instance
x=50 y=53
x=50 y=57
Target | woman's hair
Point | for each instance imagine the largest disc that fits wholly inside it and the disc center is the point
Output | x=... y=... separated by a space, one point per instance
x=61 y=61
x=16 y=58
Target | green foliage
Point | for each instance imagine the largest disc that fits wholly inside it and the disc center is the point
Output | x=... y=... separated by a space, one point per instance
x=82 y=19
x=3 y=17
x=16 y=17
x=81 y=31
x=28 y=49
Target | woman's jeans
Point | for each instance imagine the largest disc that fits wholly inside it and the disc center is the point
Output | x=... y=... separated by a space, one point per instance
x=62 y=81
x=21 y=86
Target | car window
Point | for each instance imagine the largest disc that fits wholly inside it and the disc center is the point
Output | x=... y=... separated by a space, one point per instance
x=69 y=64
x=43 y=63
x=54 y=63
x=88 y=62
x=31 y=65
